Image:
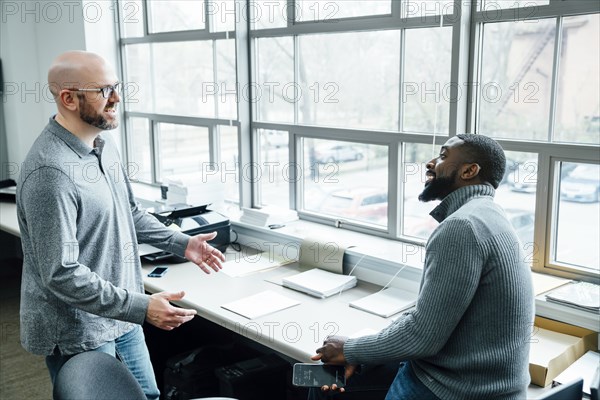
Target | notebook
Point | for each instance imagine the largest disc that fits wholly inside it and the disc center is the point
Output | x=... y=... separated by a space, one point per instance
x=387 y=302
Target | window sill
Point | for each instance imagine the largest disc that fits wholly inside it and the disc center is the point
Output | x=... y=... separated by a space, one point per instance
x=372 y=259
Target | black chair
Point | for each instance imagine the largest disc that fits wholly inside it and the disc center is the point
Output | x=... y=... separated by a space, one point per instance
x=94 y=375
x=569 y=391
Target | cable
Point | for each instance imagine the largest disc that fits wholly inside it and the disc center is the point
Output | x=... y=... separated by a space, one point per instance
x=234 y=243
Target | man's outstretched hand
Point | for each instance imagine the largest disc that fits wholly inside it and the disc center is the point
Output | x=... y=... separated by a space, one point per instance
x=165 y=316
x=203 y=254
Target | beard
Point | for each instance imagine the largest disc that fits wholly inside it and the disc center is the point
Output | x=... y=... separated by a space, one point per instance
x=88 y=114
x=438 y=188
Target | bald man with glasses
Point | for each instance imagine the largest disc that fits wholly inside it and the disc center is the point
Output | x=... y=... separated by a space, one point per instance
x=80 y=226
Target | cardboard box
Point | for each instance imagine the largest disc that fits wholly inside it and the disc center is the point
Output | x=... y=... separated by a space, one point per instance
x=554 y=346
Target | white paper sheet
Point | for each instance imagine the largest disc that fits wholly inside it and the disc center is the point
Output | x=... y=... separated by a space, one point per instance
x=260 y=304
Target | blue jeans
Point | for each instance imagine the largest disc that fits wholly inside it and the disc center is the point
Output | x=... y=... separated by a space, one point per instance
x=131 y=350
x=388 y=381
x=406 y=386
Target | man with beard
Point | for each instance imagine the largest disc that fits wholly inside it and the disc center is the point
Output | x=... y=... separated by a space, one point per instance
x=82 y=284
x=468 y=335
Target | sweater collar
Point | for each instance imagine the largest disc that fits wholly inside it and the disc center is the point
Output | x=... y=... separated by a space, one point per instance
x=80 y=148
x=458 y=198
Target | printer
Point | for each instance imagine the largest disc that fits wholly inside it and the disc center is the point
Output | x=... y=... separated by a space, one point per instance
x=193 y=221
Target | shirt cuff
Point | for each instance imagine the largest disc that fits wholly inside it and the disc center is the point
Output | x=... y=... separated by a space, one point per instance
x=138 y=307
x=350 y=351
x=179 y=243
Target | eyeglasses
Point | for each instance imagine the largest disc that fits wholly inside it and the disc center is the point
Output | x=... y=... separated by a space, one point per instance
x=106 y=91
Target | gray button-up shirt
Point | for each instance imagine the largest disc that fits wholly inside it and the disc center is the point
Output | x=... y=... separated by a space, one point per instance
x=80 y=225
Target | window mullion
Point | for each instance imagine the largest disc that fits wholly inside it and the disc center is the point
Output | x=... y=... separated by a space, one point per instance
x=554 y=84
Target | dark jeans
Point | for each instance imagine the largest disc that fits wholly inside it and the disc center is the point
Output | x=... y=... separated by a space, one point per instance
x=391 y=381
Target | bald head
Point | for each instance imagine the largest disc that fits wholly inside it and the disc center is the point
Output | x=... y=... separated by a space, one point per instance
x=79 y=69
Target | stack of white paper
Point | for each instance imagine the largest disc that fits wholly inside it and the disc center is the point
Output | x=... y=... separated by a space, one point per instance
x=194 y=189
x=268 y=216
x=386 y=303
x=319 y=283
x=582 y=295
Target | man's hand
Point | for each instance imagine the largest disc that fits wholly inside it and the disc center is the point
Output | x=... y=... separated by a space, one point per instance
x=332 y=352
x=203 y=254
x=163 y=315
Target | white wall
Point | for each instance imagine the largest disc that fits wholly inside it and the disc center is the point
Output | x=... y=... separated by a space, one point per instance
x=32 y=34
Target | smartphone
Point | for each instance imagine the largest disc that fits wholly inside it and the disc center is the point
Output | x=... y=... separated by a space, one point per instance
x=158 y=272
x=317 y=375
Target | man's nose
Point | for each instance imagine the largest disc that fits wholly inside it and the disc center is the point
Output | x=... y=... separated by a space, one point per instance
x=115 y=96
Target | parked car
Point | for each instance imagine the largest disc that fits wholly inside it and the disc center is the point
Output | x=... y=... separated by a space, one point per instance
x=582 y=184
x=362 y=203
x=337 y=153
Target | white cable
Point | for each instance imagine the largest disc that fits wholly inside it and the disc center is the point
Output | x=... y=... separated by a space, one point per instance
x=393 y=277
x=352 y=270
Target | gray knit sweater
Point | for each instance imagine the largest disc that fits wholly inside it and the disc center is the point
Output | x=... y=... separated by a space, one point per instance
x=468 y=336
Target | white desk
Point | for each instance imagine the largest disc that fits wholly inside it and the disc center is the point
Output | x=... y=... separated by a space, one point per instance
x=312 y=320
x=296 y=332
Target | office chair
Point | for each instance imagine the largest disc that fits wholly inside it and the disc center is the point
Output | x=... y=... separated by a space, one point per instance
x=94 y=375
x=569 y=391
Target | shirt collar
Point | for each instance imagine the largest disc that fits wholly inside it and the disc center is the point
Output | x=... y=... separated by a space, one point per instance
x=80 y=148
x=460 y=197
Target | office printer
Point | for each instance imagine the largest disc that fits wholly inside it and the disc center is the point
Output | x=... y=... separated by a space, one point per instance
x=193 y=221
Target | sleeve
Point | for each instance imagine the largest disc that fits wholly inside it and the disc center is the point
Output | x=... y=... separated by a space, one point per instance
x=453 y=266
x=151 y=231
x=49 y=201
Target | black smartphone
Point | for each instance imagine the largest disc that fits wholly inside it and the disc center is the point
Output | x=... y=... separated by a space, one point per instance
x=158 y=272
x=317 y=375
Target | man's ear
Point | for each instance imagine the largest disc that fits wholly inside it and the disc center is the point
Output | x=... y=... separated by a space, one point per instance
x=67 y=99
x=469 y=171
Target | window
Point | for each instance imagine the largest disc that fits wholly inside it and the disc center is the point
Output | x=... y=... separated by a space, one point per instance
x=273 y=172
x=345 y=181
x=538 y=89
x=181 y=100
x=334 y=108
x=574 y=238
x=346 y=100
x=516 y=78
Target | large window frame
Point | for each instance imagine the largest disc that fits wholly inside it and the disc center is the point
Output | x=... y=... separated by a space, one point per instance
x=140 y=12
x=549 y=152
x=466 y=23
